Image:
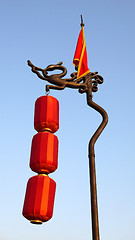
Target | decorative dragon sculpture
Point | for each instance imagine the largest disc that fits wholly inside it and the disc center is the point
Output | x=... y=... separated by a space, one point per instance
x=82 y=84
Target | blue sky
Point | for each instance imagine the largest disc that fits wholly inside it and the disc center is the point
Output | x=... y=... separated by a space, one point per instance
x=46 y=32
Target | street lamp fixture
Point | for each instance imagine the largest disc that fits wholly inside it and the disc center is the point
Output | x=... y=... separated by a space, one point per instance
x=87 y=83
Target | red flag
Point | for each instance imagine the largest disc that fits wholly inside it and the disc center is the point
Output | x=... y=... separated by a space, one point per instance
x=80 y=57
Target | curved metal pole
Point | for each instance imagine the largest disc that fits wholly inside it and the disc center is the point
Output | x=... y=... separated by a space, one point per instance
x=93 y=189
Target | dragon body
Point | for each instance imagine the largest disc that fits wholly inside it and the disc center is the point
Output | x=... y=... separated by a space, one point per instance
x=59 y=83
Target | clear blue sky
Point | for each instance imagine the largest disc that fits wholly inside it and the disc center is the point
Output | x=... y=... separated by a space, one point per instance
x=46 y=32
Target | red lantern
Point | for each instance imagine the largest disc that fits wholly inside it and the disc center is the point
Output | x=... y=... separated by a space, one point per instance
x=46 y=114
x=44 y=153
x=39 y=199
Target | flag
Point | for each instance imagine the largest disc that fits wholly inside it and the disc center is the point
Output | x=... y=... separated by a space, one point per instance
x=80 y=57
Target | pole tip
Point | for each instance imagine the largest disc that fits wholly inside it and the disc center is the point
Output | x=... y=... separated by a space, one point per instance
x=82 y=23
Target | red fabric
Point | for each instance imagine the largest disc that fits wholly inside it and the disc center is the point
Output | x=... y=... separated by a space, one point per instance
x=78 y=50
x=46 y=114
x=84 y=66
x=44 y=153
x=50 y=198
x=39 y=198
x=80 y=57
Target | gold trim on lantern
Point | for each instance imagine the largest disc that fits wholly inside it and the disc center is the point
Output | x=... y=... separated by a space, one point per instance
x=47 y=129
x=46 y=126
x=36 y=221
x=44 y=174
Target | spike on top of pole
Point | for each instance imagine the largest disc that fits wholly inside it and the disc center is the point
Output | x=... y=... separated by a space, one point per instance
x=82 y=23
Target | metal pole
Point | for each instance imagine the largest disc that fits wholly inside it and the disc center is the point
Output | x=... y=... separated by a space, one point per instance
x=93 y=188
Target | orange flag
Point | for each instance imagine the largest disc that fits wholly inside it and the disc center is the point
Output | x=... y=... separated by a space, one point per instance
x=80 y=57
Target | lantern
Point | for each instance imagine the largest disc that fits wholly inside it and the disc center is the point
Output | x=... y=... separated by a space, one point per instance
x=40 y=191
x=44 y=153
x=46 y=114
x=39 y=199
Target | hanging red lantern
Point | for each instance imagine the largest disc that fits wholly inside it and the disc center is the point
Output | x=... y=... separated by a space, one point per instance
x=39 y=199
x=44 y=153
x=46 y=114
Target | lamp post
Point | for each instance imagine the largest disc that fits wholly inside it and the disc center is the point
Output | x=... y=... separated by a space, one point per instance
x=85 y=84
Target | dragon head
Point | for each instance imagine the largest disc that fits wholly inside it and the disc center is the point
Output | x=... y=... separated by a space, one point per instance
x=52 y=67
